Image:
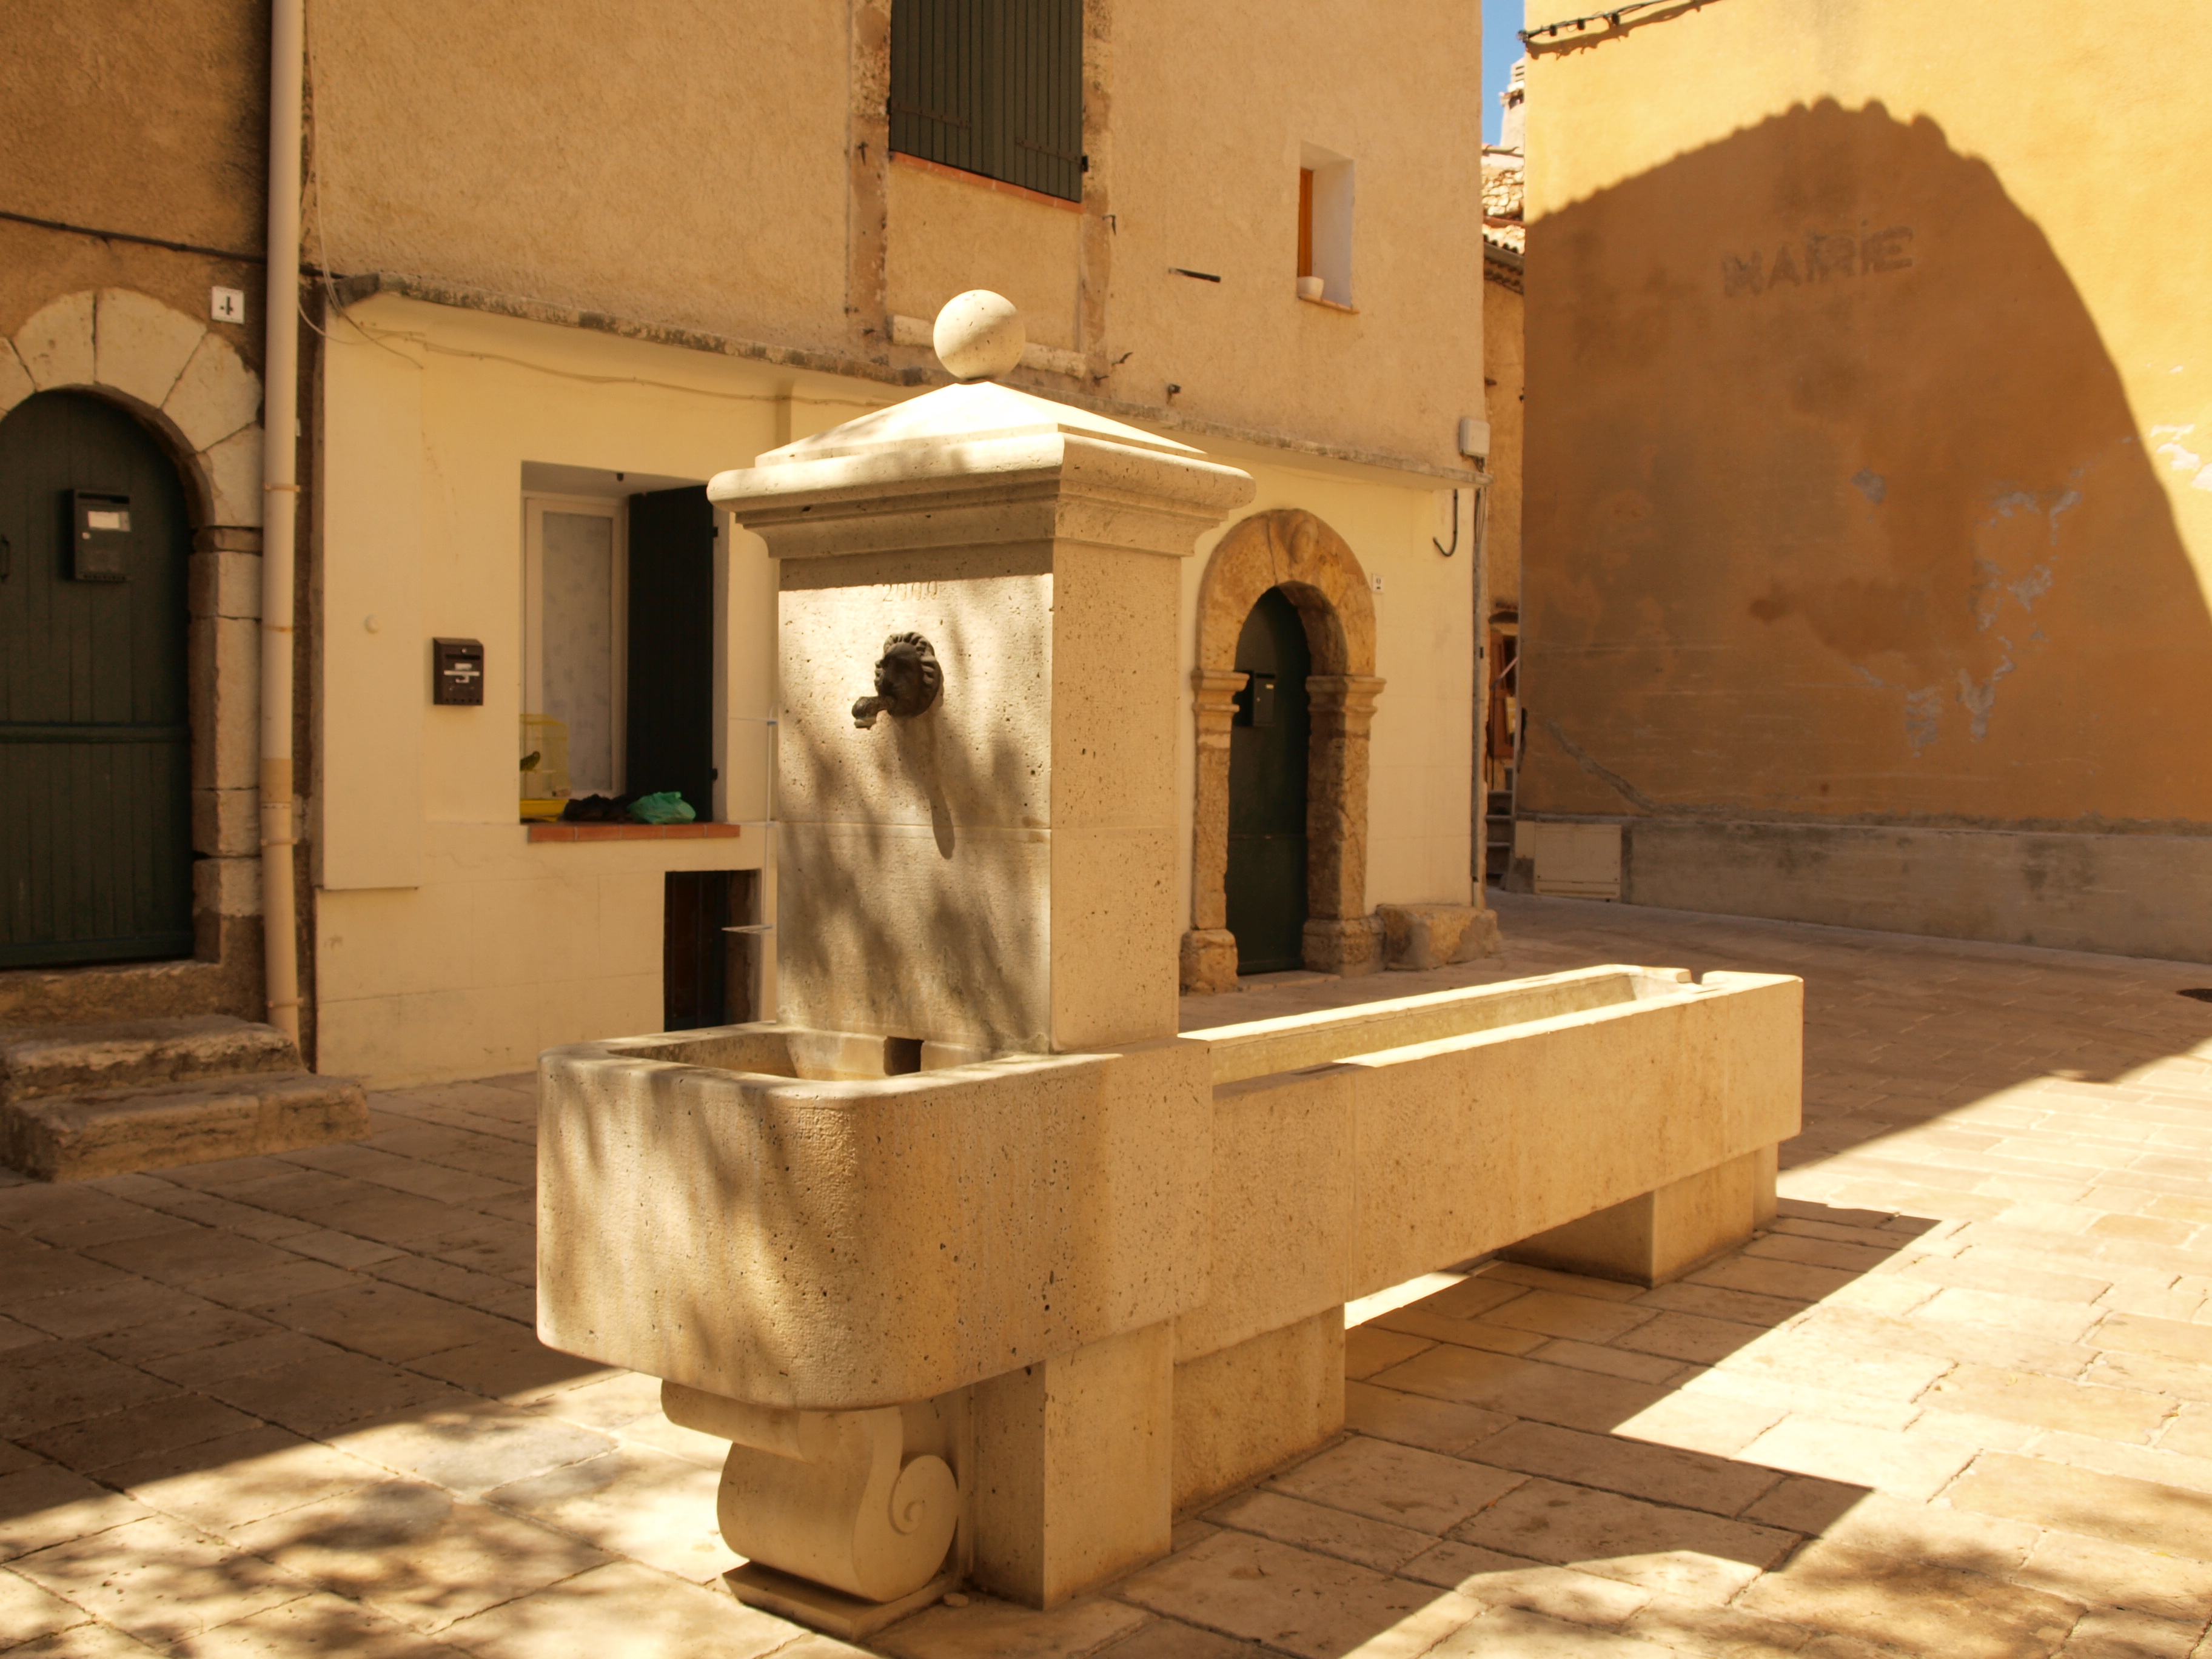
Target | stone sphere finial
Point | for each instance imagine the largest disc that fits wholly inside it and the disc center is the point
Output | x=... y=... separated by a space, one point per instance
x=979 y=335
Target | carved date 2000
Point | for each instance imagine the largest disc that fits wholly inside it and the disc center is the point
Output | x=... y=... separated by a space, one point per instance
x=1824 y=258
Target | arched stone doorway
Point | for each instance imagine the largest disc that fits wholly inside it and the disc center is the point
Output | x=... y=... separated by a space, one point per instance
x=1291 y=550
x=96 y=741
x=190 y=392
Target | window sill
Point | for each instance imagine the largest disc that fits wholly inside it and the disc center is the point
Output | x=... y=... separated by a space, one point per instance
x=901 y=158
x=635 y=832
x=1328 y=304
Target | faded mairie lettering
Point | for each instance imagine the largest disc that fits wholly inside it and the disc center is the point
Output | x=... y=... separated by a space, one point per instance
x=1739 y=275
x=1886 y=249
x=1824 y=257
x=1830 y=256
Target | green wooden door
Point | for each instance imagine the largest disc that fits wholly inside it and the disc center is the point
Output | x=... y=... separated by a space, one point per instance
x=95 y=753
x=1266 y=881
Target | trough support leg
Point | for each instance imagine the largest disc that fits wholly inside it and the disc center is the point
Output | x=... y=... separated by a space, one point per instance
x=1242 y=1410
x=1071 y=1465
x=1661 y=1235
x=1763 y=1195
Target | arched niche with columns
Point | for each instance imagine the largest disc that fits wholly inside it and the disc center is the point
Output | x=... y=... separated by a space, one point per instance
x=1291 y=549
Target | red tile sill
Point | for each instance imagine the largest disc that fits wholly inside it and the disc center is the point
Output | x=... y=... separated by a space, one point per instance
x=635 y=832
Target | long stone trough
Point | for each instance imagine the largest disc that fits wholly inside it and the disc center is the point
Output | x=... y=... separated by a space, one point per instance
x=1099 y=1289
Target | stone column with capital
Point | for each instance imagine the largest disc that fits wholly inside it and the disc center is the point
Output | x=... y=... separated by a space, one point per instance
x=1209 y=949
x=1340 y=936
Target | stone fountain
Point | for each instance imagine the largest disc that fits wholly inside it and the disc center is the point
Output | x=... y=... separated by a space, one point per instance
x=983 y=1271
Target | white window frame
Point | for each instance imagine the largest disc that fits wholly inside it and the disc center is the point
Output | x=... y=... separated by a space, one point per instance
x=1333 y=202
x=534 y=508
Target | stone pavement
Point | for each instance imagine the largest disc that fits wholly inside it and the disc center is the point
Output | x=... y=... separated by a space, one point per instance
x=1957 y=1401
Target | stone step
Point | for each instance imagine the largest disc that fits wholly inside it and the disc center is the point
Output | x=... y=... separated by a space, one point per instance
x=104 y=1132
x=68 y=1060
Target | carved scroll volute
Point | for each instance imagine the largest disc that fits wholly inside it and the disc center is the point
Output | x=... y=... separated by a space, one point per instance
x=824 y=1495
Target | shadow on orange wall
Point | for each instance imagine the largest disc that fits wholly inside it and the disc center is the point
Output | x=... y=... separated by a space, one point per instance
x=1835 y=507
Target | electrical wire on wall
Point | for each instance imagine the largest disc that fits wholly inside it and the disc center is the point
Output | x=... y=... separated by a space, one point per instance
x=321 y=154
x=1549 y=33
x=1454 y=548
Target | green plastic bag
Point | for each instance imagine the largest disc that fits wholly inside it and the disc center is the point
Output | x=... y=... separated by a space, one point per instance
x=667 y=807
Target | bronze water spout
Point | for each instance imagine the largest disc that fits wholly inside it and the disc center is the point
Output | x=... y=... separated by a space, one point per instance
x=907 y=681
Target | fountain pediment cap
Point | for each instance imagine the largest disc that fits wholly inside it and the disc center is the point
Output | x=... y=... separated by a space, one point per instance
x=979 y=336
x=963 y=413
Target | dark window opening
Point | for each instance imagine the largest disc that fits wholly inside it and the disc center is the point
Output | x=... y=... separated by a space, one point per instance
x=708 y=972
x=992 y=87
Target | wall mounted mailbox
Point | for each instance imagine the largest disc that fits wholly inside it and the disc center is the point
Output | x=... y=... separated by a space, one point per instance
x=459 y=675
x=1256 y=703
x=101 y=522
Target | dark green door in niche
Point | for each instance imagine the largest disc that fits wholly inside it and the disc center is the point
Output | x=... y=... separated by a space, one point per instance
x=95 y=753
x=1266 y=881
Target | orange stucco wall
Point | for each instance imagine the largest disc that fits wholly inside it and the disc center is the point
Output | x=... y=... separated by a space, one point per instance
x=1868 y=360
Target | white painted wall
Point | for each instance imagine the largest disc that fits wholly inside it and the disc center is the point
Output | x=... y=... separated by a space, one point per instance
x=447 y=944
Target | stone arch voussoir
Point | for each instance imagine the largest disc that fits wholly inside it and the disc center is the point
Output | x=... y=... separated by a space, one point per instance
x=178 y=375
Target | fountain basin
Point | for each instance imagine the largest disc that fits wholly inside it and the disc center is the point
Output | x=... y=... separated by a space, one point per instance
x=748 y=1212
x=743 y=1212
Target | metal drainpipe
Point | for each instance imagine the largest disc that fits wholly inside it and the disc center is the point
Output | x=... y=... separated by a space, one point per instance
x=280 y=518
x=1483 y=671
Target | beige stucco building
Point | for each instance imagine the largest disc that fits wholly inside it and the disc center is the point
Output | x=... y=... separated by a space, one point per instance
x=130 y=277
x=1868 y=523
x=547 y=281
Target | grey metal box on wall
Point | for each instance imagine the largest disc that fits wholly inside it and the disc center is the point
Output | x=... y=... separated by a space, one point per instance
x=99 y=535
x=457 y=677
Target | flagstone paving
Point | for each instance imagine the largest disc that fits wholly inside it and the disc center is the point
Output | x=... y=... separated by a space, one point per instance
x=1957 y=1401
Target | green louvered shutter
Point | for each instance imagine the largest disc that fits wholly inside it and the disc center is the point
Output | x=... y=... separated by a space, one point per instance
x=1040 y=102
x=992 y=87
